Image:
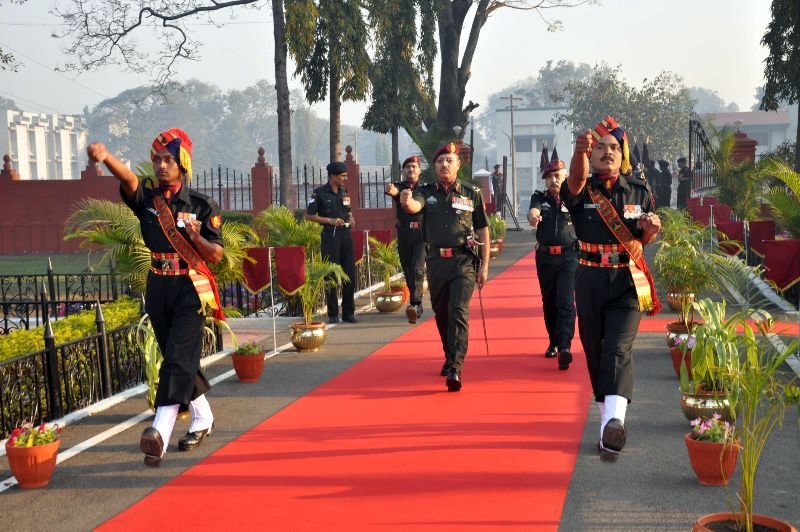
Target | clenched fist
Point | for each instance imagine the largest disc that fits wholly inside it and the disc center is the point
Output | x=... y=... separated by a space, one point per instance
x=583 y=143
x=97 y=152
x=405 y=196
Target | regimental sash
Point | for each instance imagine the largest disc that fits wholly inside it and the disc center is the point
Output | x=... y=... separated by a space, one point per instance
x=201 y=276
x=642 y=278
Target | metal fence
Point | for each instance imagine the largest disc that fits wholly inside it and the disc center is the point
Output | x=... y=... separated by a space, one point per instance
x=306 y=178
x=700 y=163
x=48 y=384
x=231 y=189
x=22 y=306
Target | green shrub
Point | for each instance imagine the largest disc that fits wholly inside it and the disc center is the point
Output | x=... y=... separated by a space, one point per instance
x=124 y=311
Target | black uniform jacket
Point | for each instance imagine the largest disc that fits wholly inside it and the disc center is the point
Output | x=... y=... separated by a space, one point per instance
x=450 y=218
x=630 y=196
x=186 y=203
x=556 y=227
x=329 y=204
x=404 y=218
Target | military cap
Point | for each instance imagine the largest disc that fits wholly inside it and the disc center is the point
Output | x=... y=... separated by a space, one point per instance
x=336 y=167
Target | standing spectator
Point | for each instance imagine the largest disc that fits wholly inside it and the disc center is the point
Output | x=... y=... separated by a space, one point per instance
x=684 y=182
x=497 y=184
x=556 y=261
x=653 y=178
x=454 y=216
x=410 y=238
x=614 y=219
x=664 y=184
x=330 y=207
x=182 y=230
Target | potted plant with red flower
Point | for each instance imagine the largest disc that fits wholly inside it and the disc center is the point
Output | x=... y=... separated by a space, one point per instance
x=32 y=452
x=713 y=450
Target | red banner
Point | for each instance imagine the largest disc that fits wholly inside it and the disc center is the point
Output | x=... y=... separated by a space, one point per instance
x=761 y=230
x=383 y=235
x=782 y=262
x=358 y=245
x=732 y=231
x=290 y=268
x=256 y=274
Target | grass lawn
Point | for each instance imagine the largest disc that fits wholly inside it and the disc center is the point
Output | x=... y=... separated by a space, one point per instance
x=36 y=263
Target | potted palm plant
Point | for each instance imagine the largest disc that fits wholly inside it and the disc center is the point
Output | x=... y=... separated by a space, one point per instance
x=321 y=274
x=761 y=393
x=387 y=262
x=497 y=233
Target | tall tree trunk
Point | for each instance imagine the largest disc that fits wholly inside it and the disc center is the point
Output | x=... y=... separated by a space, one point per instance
x=284 y=111
x=336 y=118
x=451 y=96
x=797 y=142
x=395 y=154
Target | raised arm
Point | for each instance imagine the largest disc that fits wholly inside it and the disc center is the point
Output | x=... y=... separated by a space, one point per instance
x=97 y=152
x=579 y=166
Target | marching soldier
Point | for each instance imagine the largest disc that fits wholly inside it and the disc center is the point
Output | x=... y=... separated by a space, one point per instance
x=556 y=261
x=614 y=219
x=182 y=229
x=330 y=207
x=454 y=217
x=410 y=238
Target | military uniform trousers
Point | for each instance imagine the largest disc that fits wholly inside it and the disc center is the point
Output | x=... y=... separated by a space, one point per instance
x=337 y=246
x=451 y=281
x=412 y=249
x=173 y=306
x=557 y=283
x=608 y=318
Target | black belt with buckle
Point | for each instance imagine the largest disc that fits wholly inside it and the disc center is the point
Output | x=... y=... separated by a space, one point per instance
x=446 y=252
x=414 y=225
x=605 y=258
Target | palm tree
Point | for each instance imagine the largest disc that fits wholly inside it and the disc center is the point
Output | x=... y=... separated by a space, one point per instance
x=278 y=226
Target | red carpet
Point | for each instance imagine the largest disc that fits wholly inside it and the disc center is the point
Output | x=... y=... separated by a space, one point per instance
x=405 y=454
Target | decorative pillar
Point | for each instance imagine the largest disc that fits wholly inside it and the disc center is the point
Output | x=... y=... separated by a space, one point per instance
x=353 y=182
x=744 y=148
x=8 y=172
x=93 y=170
x=261 y=183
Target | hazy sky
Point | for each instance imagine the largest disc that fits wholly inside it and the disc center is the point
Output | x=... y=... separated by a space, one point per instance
x=714 y=44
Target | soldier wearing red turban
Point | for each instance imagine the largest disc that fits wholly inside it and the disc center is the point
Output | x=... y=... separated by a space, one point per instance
x=183 y=230
x=613 y=215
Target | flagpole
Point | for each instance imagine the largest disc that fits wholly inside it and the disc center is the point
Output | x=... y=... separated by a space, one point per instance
x=272 y=296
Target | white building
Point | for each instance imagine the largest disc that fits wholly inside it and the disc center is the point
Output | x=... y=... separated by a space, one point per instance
x=43 y=146
x=533 y=129
x=768 y=128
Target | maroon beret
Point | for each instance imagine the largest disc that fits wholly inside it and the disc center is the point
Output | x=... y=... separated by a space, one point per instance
x=552 y=166
x=412 y=159
x=450 y=147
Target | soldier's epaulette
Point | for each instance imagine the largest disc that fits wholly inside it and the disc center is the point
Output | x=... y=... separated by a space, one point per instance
x=470 y=186
x=634 y=180
x=194 y=193
x=539 y=192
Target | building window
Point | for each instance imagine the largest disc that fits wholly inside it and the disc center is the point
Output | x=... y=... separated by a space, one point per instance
x=523 y=144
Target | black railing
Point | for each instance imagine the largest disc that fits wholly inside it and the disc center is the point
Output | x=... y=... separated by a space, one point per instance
x=48 y=384
x=22 y=307
x=232 y=190
x=701 y=164
x=372 y=186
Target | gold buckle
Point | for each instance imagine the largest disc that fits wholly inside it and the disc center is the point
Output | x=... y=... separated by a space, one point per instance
x=166 y=265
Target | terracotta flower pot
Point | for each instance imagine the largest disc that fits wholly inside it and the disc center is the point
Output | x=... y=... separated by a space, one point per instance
x=677 y=356
x=308 y=337
x=712 y=462
x=706 y=522
x=248 y=367
x=33 y=466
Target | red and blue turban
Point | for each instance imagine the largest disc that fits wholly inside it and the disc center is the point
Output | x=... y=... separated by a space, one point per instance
x=609 y=126
x=179 y=145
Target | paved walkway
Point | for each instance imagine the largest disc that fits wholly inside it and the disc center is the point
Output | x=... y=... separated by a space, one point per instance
x=651 y=487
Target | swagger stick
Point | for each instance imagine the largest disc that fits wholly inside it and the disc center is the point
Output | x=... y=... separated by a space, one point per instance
x=483 y=318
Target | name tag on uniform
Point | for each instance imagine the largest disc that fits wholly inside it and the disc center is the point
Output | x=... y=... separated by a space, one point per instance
x=183 y=216
x=460 y=203
x=591 y=205
x=632 y=212
x=346 y=201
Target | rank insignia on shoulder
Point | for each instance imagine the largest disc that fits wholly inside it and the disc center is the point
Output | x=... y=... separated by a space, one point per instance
x=216 y=221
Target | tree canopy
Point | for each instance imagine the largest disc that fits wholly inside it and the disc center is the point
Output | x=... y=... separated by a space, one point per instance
x=782 y=65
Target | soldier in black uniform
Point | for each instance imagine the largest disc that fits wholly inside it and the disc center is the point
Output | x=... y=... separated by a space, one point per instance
x=454 y=216
x=330 y=206
x=173 y=300
x=684 y=183
x=613 y=216
x=410 y=239
x=556 y=261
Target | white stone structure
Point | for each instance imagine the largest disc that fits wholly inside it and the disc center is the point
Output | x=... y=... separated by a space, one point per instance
x=533 y=129
x=768 y=128
x=44 y=146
